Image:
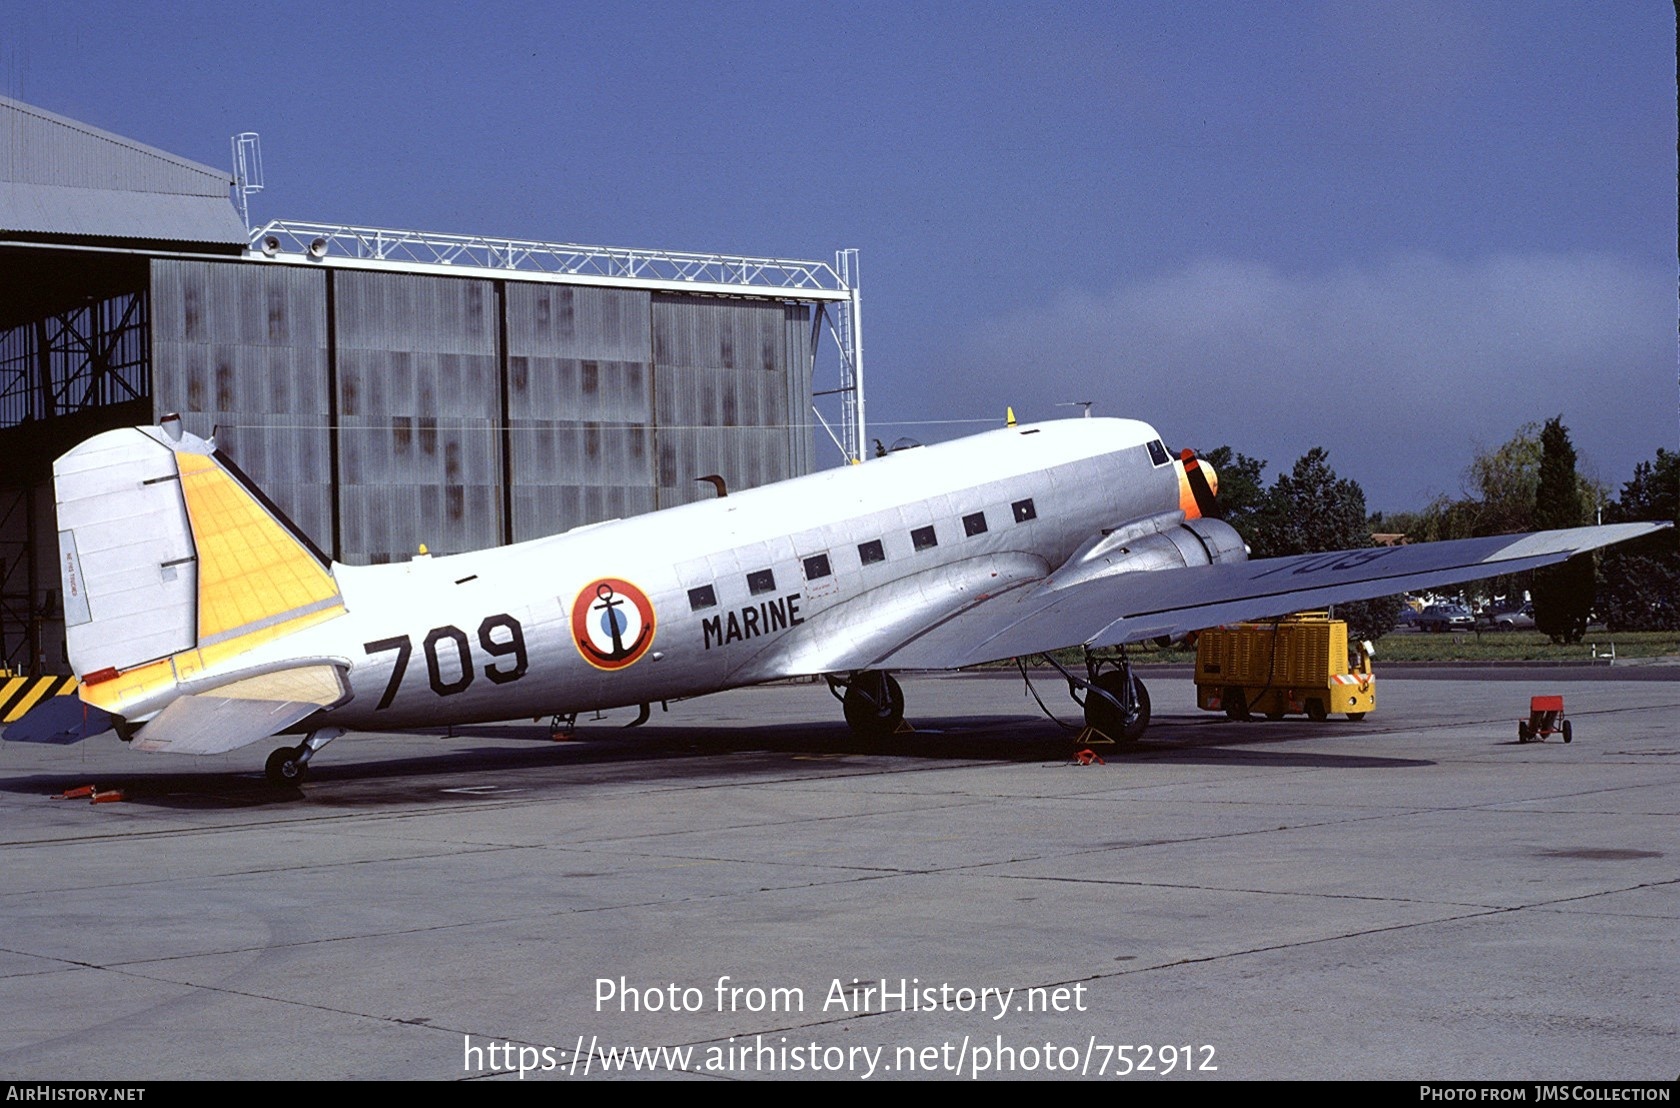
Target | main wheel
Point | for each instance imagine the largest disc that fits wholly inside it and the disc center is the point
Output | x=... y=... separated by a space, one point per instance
x=1236 y=704
x=874 y=705
x=1316 y=711
x=1100 y=713
x=286 y=767
x=1568 y=732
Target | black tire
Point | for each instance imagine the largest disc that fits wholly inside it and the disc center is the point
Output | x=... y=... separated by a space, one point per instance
x=1105 y=717
x=1236 y=704
x=1356 y=716
x=1275 y=714
x=1568 y=732
x=285 y=769
x=1316 y=711
x=874 y=705
x=1522 y=732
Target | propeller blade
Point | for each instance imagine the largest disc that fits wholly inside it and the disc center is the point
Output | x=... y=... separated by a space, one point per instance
x=1206 y=502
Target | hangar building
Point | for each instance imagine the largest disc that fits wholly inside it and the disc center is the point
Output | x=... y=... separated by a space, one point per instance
x=384 y=388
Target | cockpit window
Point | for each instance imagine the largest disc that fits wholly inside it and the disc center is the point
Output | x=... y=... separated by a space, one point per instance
x=1158 y=453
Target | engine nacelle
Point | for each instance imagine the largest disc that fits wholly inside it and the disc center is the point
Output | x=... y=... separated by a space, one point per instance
x=1163 y=542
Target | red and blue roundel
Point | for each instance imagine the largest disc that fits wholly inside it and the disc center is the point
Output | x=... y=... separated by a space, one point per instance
x=612 y=623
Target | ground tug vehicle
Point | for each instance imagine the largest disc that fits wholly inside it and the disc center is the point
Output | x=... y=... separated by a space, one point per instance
x=1298 y=665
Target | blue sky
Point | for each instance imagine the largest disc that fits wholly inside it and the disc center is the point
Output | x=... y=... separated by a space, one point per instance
x=1398 y=230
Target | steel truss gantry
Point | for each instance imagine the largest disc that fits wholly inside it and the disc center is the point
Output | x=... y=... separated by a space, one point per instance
x=831 y=289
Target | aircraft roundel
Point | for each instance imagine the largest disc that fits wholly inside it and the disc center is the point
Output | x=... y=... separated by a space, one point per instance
x=612 y=623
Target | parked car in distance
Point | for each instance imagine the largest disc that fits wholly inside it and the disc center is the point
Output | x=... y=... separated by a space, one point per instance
x=1517 y=619
x=1446 y=617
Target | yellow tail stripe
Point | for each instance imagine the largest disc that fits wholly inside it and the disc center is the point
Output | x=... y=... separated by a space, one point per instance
x=252 y=573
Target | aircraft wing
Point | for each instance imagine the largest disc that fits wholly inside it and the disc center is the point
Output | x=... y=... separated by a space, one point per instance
x=1125 y=607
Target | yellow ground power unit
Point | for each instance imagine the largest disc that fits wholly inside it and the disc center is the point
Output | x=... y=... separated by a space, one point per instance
x=1296 y=665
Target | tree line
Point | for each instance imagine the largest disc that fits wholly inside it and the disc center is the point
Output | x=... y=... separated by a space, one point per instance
x=1528 y=484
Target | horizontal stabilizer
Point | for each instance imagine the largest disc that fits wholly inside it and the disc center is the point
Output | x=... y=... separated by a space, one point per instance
x=58 y=719
x=244 y=711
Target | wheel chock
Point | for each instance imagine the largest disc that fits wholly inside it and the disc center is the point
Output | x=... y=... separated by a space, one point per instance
x=904 y=728
x=1089 y=757
x=1090 y=736
x=79 y=793
x=109 y=796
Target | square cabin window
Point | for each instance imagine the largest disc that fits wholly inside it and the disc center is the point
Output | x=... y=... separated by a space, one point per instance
x=974 y=524
x=1024 y=510
x=923 y=538
x=871 y=552
x=761 y=582
x=817 y=566
x=1158 y=453
x=703 y=597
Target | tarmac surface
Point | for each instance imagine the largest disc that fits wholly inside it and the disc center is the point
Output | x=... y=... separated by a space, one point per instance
x=1415 y=896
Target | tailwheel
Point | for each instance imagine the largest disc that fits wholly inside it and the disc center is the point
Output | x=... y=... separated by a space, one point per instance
x=1125 y=717
x=874 y=704
x=286 y=766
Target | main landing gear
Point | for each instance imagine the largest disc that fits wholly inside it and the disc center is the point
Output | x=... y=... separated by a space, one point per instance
x=290 y=764
x=872 y=701
x=1116 y=703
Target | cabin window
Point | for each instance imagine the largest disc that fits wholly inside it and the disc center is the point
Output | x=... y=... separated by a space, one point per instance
x=1024 y=510
x=923 y=538
x=703 y=597
x=761 y=582
x=974 y=524
x=1158 y=453
x=816 y=566
x=871 y=552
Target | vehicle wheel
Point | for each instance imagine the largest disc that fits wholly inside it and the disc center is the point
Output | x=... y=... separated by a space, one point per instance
x=1356 y=716
x=1236 y=704
x=1275 y=714
x=1522 y=732
x=1316 y=712
x=284 y=767
x=874 y=705
x=1568 y=732
x=1103 y=716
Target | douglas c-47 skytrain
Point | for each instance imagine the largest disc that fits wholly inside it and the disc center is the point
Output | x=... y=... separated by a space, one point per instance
x=199 y=620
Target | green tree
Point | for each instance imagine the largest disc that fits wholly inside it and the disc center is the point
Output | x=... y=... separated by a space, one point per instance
x=1504 y=483
x=1563 y=594
x=1639 y=581
x=1309 y=510
x=1242 y=487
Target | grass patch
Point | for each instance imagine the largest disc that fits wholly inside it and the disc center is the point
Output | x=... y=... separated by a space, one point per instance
x=1463 y=646
x=1523 y=646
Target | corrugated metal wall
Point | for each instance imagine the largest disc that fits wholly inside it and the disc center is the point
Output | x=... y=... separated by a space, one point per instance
x=732 y=386
x=241 y=351
x=601 y=403
x=419 y=415
x=580 y=406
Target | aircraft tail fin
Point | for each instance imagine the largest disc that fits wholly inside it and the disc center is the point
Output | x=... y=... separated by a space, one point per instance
x=172 y=565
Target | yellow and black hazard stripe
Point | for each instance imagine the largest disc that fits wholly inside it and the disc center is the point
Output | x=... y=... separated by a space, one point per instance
x=19 y=694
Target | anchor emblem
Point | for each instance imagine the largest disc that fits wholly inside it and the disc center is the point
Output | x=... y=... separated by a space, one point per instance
x=612 y=623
